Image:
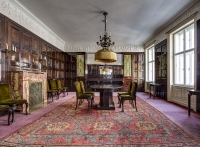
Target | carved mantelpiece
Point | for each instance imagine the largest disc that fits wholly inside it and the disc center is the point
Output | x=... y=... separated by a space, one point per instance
x=27 y=77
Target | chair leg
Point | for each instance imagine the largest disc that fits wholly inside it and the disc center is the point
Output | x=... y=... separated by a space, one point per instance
x=13 y=117
x=122 y=102
x=118 y=99
x=9 y=113
x=26 y=108
x=89 y=100
x=76 y=103
x=92 y=101
x=135 y=105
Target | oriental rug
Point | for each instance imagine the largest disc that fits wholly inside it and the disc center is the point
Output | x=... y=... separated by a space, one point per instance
x=65 y=126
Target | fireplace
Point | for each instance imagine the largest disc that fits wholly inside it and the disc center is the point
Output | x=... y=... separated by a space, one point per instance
x=35 y=95
x=32 y=87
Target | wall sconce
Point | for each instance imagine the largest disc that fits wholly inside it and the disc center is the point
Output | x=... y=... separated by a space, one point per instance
x=7 y=51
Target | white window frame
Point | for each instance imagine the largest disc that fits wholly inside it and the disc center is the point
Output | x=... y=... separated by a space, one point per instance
x=183 y=52
x=152 y=47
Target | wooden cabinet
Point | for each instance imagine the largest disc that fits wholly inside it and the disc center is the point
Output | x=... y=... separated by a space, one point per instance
x=134 y=64
x=161 y=67
x=70 y=70
x=138 y=70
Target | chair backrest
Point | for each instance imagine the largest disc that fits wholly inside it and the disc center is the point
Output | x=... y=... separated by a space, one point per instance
x=5 y=92
x=82 y=87
x=78 y=89
x=133 y=89
x=48 y=88
x=129 y=87
x=59 y=85
x=53 y=84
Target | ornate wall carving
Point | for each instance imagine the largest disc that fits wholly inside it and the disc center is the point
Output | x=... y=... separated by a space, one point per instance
x=163 y=35
x=15 y=11
x=94 y=48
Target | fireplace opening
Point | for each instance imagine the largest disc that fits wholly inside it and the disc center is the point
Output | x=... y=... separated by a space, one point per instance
x=35 y=96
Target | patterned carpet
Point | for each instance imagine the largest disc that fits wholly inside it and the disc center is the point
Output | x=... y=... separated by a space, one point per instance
x=65 y=126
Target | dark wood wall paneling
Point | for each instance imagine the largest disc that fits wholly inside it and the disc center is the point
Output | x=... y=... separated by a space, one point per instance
x=29 y=48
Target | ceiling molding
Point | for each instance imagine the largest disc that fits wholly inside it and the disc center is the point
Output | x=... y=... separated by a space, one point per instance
x=95 y=48
x=18 y=13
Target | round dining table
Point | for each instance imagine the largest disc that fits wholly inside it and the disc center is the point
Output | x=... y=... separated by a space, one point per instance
x=106 y=95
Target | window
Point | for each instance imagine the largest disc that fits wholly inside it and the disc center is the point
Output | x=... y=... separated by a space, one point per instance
x=150 y=64
x=184 y=56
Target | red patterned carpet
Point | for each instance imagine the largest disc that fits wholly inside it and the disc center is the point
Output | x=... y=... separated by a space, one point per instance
x=65 y=126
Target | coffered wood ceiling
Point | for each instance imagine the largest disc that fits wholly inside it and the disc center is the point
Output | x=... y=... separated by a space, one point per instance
x=79 y=22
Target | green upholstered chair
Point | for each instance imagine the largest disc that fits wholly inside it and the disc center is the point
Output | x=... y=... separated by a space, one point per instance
x=6 y=99
x=131 y=97
x=53 y=86
x=125 y=93
x=51 y=93
x=84 y=92
x=61 y=88
x=6 y=109
x=81 y=96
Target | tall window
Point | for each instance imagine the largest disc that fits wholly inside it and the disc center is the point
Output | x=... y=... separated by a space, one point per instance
x=150 y=62
x=184 y=56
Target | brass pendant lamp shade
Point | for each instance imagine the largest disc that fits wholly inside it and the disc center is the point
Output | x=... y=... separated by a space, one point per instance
x=105 y=55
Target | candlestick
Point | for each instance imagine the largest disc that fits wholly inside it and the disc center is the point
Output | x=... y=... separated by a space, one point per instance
x=13 y=47
x=6 y=45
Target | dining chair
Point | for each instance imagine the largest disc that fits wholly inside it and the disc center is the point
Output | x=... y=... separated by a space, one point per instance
x=82 y=96
x=6 y=99
x=51 y=92
x=128 y=92
x=131 y=97
x=84 y=92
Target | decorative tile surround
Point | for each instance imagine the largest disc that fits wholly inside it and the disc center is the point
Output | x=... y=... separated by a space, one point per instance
x=27 y=77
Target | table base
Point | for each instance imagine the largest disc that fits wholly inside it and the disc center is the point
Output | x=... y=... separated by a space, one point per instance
x=106 y=101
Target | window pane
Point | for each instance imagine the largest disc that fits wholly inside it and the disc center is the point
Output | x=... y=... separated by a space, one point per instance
x=189 y=68
x=189 y=41
x=150 y=54
x=150 y=71
x=178 y=42
x=179 y=69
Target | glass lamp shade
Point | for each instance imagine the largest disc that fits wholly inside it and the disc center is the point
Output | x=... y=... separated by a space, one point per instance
x=105 y=55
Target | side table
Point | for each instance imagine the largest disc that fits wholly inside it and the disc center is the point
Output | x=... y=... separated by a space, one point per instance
x=191 y=92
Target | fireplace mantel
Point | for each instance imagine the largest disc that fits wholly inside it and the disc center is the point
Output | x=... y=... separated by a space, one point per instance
x=27 y=77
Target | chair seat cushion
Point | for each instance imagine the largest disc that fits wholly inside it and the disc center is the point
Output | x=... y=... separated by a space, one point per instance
x=84 y=96
x=123 y=93
x=52 y=91
x=11 y=102
x=126 y=97
x=3 y=107
x=89 y=93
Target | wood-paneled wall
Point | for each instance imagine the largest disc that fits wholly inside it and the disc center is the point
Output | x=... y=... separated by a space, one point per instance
x=23 y=50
